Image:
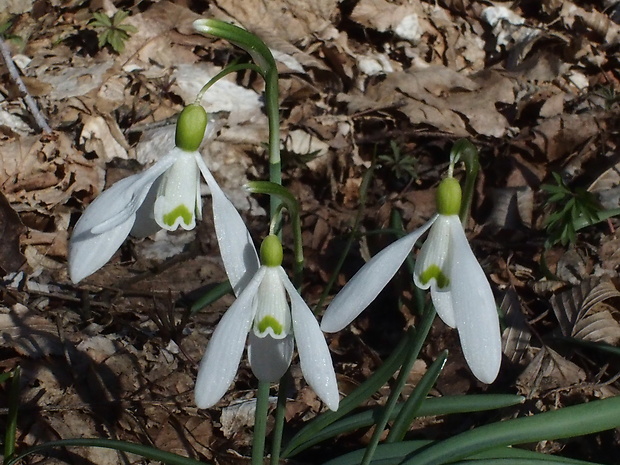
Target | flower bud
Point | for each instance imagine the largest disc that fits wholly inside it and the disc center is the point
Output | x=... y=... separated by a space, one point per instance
x=448 y=197
x=271 y=251
x=191 y=127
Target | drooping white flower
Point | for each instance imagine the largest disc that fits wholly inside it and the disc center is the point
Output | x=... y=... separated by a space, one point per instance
x=460 y=290
x=262 y=311
x=165 y=196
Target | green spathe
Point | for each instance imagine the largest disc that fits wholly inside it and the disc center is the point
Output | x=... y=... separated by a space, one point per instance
x=271 y=251
x=270 y=322
x=180 y=211
x=449 y=197
x=191 y=127
x=434 y=271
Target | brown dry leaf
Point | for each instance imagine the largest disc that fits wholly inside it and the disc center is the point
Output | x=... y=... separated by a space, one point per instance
x=608 y=31
x=583 y=313
x=29 y=334
x=557 y=137
x=302 y=19
x=11 y=227
x=46 y=170
x=512 y=207
x=405 y=19
x=441 y=97
x=517 y=335
x=548 y=370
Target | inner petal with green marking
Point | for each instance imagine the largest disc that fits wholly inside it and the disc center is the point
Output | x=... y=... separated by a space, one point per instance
x=270 y=322
x=181 y=211
x=434 y=272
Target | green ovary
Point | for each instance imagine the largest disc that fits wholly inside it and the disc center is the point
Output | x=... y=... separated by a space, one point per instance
x=270 y=322
x=435 y=272
x=180 y=211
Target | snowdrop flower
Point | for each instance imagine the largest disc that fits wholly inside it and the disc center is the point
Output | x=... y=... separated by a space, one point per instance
x=167 y=195
x=262 y=311
x=460 y=291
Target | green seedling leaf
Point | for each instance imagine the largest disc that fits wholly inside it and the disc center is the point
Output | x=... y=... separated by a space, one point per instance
x=114 y=33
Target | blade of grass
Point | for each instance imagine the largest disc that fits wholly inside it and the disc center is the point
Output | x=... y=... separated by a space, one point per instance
x=394 y=453
x=356 y=398
x=11 y=427
x=214 y=293
x=138 y=449
x=577 y=420
x=401 y=380
x=409 y=411
x=430 y=407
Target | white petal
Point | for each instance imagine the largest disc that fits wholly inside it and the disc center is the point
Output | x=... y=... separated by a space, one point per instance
x=362 y=289
x=442 y=301
x=88 y=252
x=236 y=245
x=433 y=256
x=314 y=357
x=475 y=309
x=221 y=359
x=123 y=199
x=179 y=193
x=106 y=222
x=269 y=357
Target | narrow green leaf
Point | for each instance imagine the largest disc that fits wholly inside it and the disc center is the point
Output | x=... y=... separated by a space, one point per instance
x=214 y=293
x=11 y=427
x=412 y=406
x=138 y=449
x=432 y=406
x=577 y=420
x=394 y=454
x=353 y=400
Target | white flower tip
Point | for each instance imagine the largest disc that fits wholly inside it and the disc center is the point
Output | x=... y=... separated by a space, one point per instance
x=332 y=400
x=487 y=370
x=204 y=398
x=202 y=25
x=77 y=271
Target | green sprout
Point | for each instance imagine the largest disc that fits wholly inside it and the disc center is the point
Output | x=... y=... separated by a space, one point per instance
x=4 y=28
x=402 y=166
x=570 y=211
x=113 y=33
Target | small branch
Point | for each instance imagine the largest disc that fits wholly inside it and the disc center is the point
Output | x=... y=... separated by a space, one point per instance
x=30 y=103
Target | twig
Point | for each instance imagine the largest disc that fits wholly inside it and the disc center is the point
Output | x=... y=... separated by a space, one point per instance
x=30 y=103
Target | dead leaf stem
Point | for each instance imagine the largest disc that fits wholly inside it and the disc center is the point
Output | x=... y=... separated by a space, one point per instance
x=28 y=100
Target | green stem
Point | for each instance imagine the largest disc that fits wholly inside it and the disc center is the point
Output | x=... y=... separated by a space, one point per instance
x=466 y=151
x=11 y=428
x=225 y=72
x=260 y=423
x=278 y=428
x=290 y=202
x=412 y=405
x=403 y=375
x=273 y=116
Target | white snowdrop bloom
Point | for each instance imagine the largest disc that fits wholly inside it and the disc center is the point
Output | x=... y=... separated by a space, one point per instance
x=262 y=310
x=460 y=290
x=167 y=195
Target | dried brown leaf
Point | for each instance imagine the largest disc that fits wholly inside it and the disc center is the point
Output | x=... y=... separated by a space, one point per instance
x=577 y=311
x=517 y=335
x=11 y=227
x=548 y=370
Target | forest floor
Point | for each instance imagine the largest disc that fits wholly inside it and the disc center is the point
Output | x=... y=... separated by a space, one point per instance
x=371 y=83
